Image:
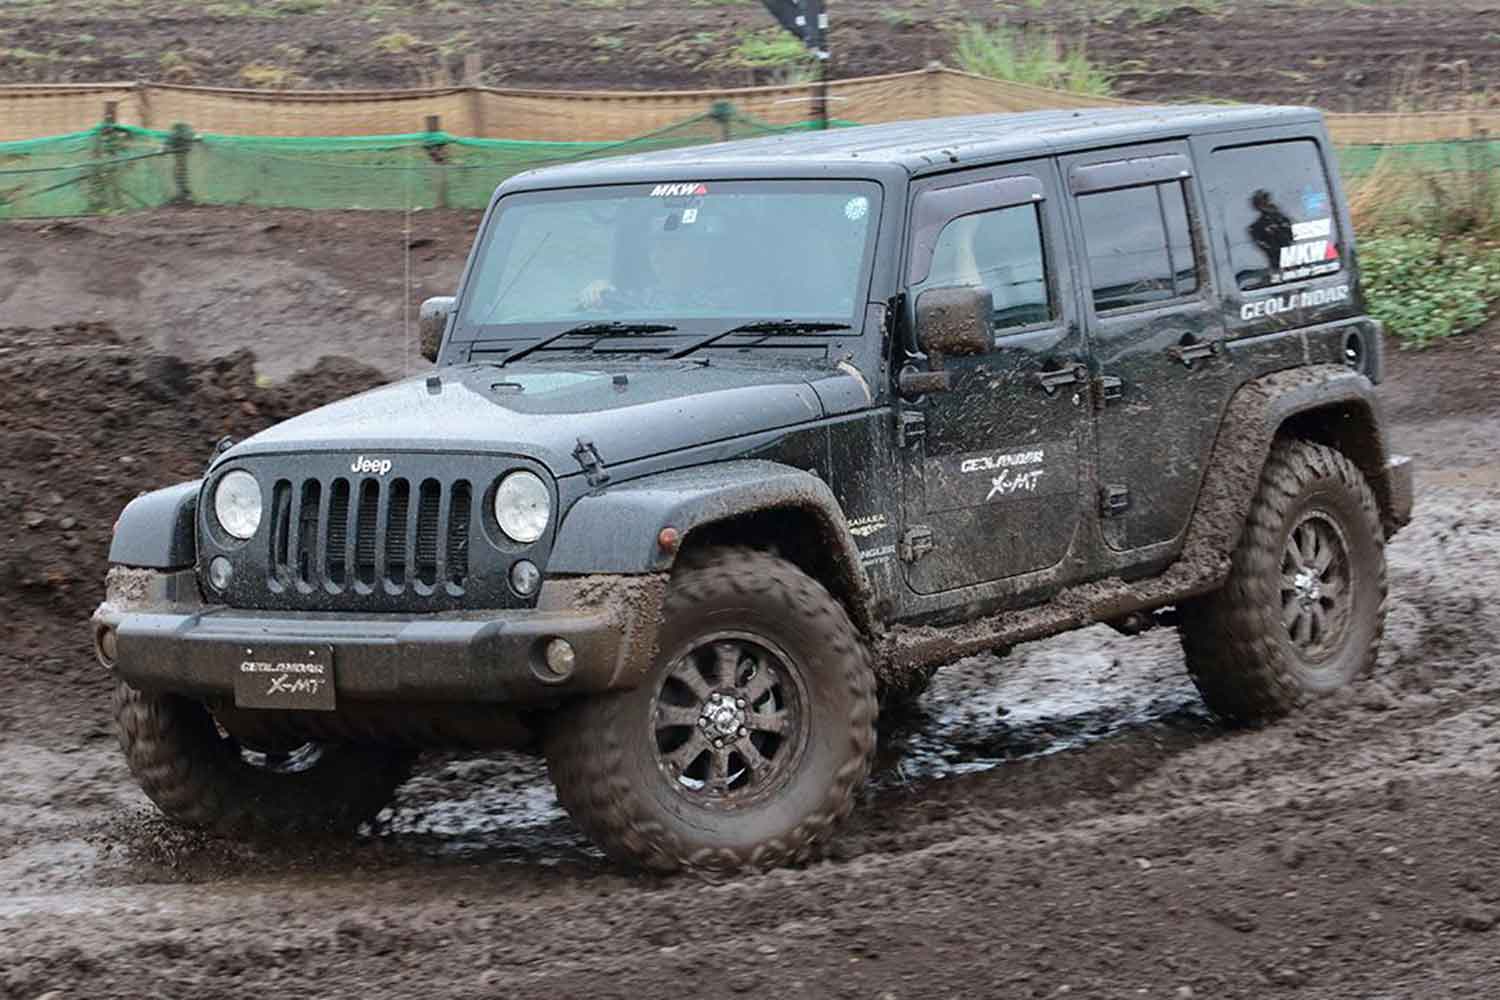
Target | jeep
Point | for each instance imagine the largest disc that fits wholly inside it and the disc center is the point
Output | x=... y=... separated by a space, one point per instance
x=724 y=444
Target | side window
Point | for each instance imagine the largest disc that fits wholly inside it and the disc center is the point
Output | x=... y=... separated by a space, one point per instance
x=1140 y=245
x=1277 y=211
x=1002 y=250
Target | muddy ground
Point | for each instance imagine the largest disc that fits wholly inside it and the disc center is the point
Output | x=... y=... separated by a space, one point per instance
x=1066 y=820
x=1361 y=55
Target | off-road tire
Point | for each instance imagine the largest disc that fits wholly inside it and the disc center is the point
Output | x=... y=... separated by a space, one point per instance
x=603 y=754
x=197 y=776
x=1238 y=647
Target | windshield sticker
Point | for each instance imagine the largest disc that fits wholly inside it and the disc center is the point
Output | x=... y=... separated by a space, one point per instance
x=1314 y=201
x=856 y=208
x=1277 y=304
x=689 y=216
x=679 y=190
x=1294 y=250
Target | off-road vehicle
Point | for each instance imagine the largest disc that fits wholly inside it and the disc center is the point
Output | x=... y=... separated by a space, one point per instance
x=723 y=441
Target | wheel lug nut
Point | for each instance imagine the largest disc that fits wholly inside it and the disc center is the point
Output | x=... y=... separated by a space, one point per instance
x=740 y=702
x=744 y=731
x=718 y=743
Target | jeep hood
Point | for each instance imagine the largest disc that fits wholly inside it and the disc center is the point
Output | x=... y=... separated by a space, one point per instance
x=627 y=412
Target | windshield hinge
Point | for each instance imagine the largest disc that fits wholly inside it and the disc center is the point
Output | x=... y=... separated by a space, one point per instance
x=911 y=427
x=592 y=465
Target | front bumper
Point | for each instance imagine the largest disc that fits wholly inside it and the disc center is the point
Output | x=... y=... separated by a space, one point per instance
x=165 y=641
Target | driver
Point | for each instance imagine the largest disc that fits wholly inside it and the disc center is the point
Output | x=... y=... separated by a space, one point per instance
x=671 y=275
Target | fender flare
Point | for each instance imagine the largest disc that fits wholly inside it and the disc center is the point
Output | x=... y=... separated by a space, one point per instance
x=155 y=530
x=1338 y=406
x=615 y=530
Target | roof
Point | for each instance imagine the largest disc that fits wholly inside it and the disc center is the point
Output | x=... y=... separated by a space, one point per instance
x=930 y=144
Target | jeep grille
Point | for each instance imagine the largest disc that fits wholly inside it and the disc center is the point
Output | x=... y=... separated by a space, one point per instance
x=370 y=536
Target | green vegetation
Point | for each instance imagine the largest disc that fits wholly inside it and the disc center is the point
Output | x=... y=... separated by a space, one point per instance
x=1426 y=287
x=397 y=42
x=265 y=75
x=770 y=48
x=1032 y=57
x=896 y=17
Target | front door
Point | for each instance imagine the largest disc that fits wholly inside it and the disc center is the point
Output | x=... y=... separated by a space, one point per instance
x=993 y=465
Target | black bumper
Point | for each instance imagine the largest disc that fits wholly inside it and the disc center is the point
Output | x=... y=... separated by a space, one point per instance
x=493 y=656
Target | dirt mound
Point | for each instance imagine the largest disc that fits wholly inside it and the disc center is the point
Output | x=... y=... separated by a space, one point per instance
x=89 y=418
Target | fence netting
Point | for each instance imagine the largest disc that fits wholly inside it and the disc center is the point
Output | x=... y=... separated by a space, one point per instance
x=118 y=168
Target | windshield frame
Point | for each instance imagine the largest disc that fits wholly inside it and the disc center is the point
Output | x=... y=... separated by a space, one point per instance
x=499 y=335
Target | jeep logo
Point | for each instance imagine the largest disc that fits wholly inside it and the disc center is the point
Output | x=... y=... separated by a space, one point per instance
x=379 y=466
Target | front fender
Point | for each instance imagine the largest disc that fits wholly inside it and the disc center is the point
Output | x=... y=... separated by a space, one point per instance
x=155 y=530
x=615 y=530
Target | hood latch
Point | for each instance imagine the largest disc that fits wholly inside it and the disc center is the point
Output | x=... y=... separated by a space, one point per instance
x=593 y=466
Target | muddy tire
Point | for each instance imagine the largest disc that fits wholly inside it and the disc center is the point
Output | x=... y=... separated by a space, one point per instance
x=200 y=777
x=758 y=656
x=1303 y=609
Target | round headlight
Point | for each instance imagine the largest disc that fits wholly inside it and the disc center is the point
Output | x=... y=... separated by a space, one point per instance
x=522 y=506
x=237 y=504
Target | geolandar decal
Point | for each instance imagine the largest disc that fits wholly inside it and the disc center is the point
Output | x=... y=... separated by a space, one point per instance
x=1002 y=475
x=1275 y=305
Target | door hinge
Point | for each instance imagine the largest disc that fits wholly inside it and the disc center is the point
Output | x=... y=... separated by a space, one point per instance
x=916 y=543
x=1116 y=500
x=588 y=459
x=911 y=427
x=1107 y=389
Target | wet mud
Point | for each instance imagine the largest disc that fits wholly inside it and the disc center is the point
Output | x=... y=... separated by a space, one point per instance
x=1062 y=820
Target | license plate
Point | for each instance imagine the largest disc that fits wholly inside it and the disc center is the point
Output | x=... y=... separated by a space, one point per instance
x=284 y=676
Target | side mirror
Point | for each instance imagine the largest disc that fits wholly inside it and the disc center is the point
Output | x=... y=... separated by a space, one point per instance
x=432 y=321
x=957 y=320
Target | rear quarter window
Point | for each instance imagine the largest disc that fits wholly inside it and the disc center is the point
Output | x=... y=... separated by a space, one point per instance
x=1277 y=211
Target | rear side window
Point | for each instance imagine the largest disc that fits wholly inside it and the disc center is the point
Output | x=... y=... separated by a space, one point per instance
x=1278 y=212
x=1140 y=245
x=1001 y=250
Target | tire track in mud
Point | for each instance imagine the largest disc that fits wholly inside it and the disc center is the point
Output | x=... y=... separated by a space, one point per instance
x=1349 y=851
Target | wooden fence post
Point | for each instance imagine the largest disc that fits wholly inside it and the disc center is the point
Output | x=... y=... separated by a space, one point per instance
x=436 y=147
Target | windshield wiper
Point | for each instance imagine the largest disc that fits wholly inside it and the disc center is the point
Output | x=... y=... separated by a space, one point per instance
x=604 y=330
x=770 y=327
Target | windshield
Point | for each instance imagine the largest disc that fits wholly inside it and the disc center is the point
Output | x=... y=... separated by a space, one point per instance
x=693 y=255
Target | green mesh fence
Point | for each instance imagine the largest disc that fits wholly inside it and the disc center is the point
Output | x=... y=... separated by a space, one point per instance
x=117 y=168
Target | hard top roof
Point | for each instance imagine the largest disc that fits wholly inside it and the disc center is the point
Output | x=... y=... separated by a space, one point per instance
x=923 y=146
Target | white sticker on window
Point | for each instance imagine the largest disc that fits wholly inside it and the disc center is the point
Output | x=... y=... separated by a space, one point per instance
x=856 y=208
x=689 y=216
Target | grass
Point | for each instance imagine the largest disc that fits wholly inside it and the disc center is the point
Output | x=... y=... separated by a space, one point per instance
x=265 y=75
x=397 y=42
x=769 y=49
x=1425 y=287
x=1037 y=58
x=896 y=17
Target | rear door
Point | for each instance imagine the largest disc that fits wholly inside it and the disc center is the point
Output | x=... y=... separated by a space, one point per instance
x=1156 y=334
x=992 y=481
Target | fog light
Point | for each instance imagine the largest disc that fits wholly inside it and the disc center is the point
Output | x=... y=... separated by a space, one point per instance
x=560 y=657
x=106 y=644
x=525 y=577
x=220 y=572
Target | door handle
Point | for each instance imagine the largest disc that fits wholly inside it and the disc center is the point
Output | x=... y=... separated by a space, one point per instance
x=1051 y=381
x=1195 y=351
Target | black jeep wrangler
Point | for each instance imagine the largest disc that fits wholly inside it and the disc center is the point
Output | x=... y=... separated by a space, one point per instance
x=723 y=441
